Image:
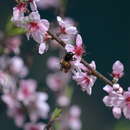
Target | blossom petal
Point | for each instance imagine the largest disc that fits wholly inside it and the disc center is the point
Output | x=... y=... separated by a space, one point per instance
x=116 y=112
x=42 y=48
x=69 y=48
x=71 y=30
x=45 y=24
x=126 y=112
x=34 y=16
x=61 y=22
x=79 y=40
x=108 y=88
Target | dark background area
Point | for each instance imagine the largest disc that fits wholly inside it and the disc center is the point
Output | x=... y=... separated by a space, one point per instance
x=105 y=27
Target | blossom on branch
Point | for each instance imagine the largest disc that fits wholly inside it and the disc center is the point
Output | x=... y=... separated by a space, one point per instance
x=118 y=70
x=77 y=49
x=66 y=28
x=118 y=99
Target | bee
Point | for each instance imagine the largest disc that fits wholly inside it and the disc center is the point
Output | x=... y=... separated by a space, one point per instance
x=65 y=62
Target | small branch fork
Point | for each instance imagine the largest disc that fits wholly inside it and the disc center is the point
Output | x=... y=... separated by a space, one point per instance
x=94 y=72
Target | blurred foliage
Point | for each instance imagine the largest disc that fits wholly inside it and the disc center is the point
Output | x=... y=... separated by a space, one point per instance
x=122 y=125
x=12 y=30
x=56 y=114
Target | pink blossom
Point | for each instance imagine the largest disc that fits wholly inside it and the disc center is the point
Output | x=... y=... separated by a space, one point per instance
x=7 y=82
x=81 y=67
x=63 y=101
x=42 y=48
x=74 y=115
x=53 y=63
x=75 y=111
x=10 y=100
x=18 y=114
x=85 y=81
x=38 y=107
x=66 y=28
x=115 y=97
x=15 y=109
x=115 y=88
x=43 y=4
x=34 y=126
x=57 y=81
x=126 y=104
x=18 y=11
x=83 y=77
x=118 y=70
x=26 y=90
x=120 y=102
x=115 y=101
x=13 y=44
x=36 y=27
x=33 y=4
x=116 y=112
x=78 y=49
x=17 y=67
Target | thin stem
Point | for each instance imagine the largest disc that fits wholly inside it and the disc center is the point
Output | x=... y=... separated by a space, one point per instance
x=94 y=72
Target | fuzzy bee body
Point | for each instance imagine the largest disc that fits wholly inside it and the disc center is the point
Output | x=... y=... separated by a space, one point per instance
x=65 y=62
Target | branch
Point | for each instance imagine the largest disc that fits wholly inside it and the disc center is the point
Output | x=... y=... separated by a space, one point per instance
x=94 y=72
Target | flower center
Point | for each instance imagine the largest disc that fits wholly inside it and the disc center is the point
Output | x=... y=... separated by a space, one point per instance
x=128 y=99
x=30 y=1
x=117 y=75
x=19 y=111
x=34 y=128
x=33 y=26
x=21 y=7
x=78 y=50
x=62 y=30
x=26 y=92
x=86 y=80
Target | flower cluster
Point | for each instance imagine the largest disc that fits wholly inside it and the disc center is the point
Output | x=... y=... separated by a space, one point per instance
x=34 y=26
x=26 y=16
x=58 y=83
x=117 y=98
x=20 y=95
x=38 y=28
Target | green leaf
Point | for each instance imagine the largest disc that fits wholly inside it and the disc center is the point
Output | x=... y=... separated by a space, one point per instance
x=56 y=114
x=69 y=91
x=1 y=50
x=12 y=30
x=57 y=126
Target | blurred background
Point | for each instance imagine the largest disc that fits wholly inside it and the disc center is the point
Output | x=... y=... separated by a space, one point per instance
x=105 y=28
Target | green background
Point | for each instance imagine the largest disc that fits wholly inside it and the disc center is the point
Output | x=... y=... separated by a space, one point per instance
x=105 y=27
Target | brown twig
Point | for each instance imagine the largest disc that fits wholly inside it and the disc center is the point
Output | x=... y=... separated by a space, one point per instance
x=94 y=72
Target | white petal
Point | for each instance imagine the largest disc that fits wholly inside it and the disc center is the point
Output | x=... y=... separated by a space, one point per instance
x=28 y=35
x=37 y=36
x=46 y=24
x=33 y=6
x=93 y=65
x=79 y=40
x=71 y=30
x=108 y=88
x=89 y=90
x=61 y=22
x=69 y=48
x=107 y=101
x=34 y=16
x=42 y=48
x=118 y=66
x=126 y=112
x=116 y=112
